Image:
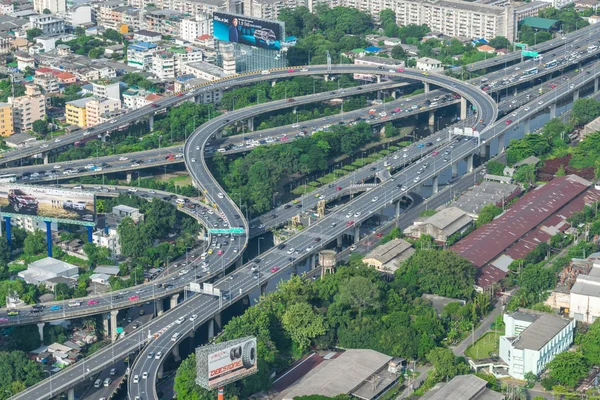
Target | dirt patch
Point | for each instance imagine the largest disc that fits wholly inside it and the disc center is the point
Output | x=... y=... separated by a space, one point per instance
x=550 y=167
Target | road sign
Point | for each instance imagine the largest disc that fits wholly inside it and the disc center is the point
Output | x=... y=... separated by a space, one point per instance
x=226 y=231
x=521 y=45
x=525 y=53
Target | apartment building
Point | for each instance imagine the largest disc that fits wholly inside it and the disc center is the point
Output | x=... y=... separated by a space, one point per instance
x=107 y=89
x=147 y=36
x=139 y=55
x=55 y=6
x=75 y=112
x=185 y=55
x=192 y=28
x=93 y=73
x=48 y=24
x=108 y=238
x=79 y=15
x=458 y=18
x=30 y=224
x=27 y=109
x=104 y=10
x=116 y=17
x=97 y=107
x=165 y=22
x=268 y=9
x=190 y=7
x=163 y=65
x=24 y=60
x=6 y=122
x=138 y=98
x=47 y=81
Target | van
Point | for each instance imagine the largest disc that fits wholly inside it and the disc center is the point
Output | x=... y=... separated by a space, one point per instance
x=203 y=255
x=98 y=383
x=180 y=201
x=175 y=337
x=107 y=382
x=265 y=72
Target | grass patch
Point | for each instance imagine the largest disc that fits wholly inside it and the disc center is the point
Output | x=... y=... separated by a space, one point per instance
x=314 y=184
x=486 y=346
x=15 y=268
x=325 y=180
x=427 y=213
x=349 y=168
x=384 y=152
x=404 y=144
x=393 y=148
x=339 y=172
x=330 y=176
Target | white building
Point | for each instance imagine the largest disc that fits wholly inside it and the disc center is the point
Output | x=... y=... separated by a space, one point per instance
x=163 y=65
x=47 y=268
x=532 y=339
x=96 y=108
x=48 y=24
x=192 y=28
x=30 y=224
x=108 y=90
x=109 y=239
x=80 y=15
x=585 y=297
x=121 y=211
x=138 y=98
x=203 y=70
x=429 y=64
x=55 y=6
x=147 y=36
x=139 y=55
x=185 y=55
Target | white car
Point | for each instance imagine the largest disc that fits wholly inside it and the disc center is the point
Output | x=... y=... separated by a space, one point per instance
x=133 y=190
x=220 y=195
x=158 y=355
x=57 y=167
x=405 y=155
x=193 y=160
x=180 y=320
x=193 y=317
x=540 y=102
x=357 y=214
x=374 y=199
x=291 y=250
x=123 y=158
x=136 y=379
x=527 y=108
x=145 y=375
x=197 y=147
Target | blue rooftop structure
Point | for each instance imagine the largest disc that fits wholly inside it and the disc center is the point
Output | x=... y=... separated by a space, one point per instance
x=185 y=78
x=142 y=46
x=372 y=49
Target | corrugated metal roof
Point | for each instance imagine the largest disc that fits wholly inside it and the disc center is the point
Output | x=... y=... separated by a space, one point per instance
x=489 y=241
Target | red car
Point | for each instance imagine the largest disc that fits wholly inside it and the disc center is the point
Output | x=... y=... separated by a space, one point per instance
x=274 y=269
x=379 y=235
x=508 y=121
x=400 y=70
x=435 y=153
x=92 y=302
x=349 y=223
x=553 y=86
x=179 y=94
x=154 y=105
x=134 y=298
x=3 y=320
x=220 y=252
x=338 y=188
x=291 y=70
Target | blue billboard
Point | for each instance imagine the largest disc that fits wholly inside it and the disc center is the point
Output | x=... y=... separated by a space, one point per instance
x=235 y=28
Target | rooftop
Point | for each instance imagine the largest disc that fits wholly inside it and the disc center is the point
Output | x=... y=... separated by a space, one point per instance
x=490 y=240
x=18 y=138
x=339 y=375
x=124 y=208
x=428 y=60
x=539 y=23
x=80 y=103
x=52 y=265
x=587 y=285
x=148 y=33
x=390 y=250
x=485 y=193
x=540 y=332
x=531 y=160
x=463 y=387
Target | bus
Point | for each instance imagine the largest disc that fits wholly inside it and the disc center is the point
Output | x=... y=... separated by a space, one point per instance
x=531 y=71
x=551 y=64
x=8 y=178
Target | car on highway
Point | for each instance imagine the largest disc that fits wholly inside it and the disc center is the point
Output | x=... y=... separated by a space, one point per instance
x=13 y=313
x=113 y=372
x=136 y=379
x=3 y=320
x=193 y=317
x=374 y=199
x=158 y=356
x=508 y=121
x=56 y=308
x=349 y=223
x=93 y=302
x=151 y=354
x=274 y=269
x=435 y=153
x=134 y=298
x=421 y=145
x=180 y=320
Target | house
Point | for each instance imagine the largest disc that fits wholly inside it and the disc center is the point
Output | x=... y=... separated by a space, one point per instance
x=47 y=268
x=429 y=64
x=101 y=279
x=19 y=140
x=442 y=225
x=486 y=48
x=462 y=387
x=107 y=269
x=532 y=339
x=121 y=211
x=388 y=256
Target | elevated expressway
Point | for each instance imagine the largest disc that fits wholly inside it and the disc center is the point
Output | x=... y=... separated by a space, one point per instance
x=229 y=211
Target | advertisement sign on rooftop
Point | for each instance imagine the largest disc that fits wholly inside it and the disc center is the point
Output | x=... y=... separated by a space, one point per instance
x=241 y=29
x=224 y=363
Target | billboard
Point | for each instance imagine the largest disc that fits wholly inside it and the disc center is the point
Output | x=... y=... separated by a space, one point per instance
x=48 y=203
x=235 y=28
x=220 y=364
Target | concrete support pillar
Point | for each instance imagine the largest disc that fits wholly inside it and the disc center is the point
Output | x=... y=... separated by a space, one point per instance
x=113 y=324
x=263 y=289
x=552 y=110
x=576 y=95
x=49 y=237
x=129 y=177
x=501 y=145
x=176 y=353
x=219 y=135
x=426 y=87
x=463 y=108
x=218 y=320
x=455 y=169
x=105 y=321
x=45 y=155
x=251 y=124
x=71 y=394
x=211 y=329
x=595 y=85
x=397 y=213
x=483 y=151
x=311 y=262
x=41 y=330
x=159 y=307
x=239 y=263
x=339 y=242
x=432 y=119
x=469 y=160
x=161 y=371
x=174 y=300
x=527 y=129
x=326 y=77
x=356 y=232
x=151 y=122
x=434 y=184
x=394 y=94
x=378 y=78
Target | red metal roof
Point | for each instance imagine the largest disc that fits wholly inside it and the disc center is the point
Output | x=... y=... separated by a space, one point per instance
x=489 y=241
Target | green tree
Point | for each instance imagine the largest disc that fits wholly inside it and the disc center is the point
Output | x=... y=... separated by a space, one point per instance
x=487 y=214
x=46 y=11
x=359 y=293
x=398 y=53
x=113 y=35
x=585 y=110
x=525 y=174
x=568 y=368
x=62 y=291
x=495 y=168
x=17 y=372
x=500 y=42
x=445 y=365
x=303 y=324
x=561 y=171
x=40 y=127
x=185 y=382
x=80 y=31
x=590 y=344
x=33 y=33
x=35 y=243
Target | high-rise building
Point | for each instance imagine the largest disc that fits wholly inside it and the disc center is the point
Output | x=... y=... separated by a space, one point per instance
x=6 y=123
x=75 y=112
x=48 y=24
x=97 y=107
x=28 y=108
x=55 y=6
x=163 y=65
x=192 y=28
